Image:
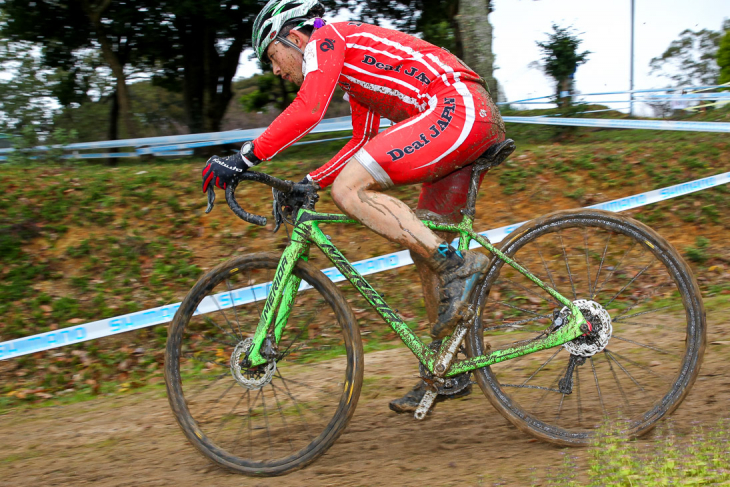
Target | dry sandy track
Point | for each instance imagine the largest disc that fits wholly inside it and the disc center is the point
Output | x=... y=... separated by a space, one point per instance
x=134 y=440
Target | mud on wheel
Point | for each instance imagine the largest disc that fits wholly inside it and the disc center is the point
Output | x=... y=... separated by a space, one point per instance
x=648 y=327
x=274 y=418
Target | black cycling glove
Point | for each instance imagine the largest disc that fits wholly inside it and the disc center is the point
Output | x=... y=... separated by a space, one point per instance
x=223 y=171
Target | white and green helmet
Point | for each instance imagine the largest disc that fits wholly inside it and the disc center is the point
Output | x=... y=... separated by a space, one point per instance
x=275 y=15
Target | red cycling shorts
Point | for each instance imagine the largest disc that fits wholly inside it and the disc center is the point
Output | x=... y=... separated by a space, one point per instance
x=436 y=147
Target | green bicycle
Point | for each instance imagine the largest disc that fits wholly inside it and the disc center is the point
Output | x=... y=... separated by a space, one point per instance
x=264 y=360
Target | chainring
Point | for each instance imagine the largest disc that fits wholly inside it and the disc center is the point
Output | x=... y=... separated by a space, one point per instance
x=447 y=386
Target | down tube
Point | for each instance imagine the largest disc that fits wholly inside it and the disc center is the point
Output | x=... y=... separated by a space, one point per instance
x=373 y=297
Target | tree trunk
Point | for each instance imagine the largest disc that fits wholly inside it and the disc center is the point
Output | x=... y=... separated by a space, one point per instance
x=564 y=86
x=475 y=34
x=208 y=75
x=113 y=133
x=94 y=12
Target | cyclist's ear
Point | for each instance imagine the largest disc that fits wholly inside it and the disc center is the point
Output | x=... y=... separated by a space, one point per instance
x=299 y=38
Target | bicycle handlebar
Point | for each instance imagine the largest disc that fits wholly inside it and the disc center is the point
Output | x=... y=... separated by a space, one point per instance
x=259 y=177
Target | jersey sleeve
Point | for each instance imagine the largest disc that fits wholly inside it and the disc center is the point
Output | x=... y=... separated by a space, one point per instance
x=324 y=58
x=365 y=125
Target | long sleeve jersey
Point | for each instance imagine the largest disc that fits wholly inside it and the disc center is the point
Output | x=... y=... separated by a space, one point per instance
x=385 y=73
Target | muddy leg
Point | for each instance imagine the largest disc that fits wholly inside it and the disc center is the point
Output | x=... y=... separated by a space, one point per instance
x=358 y=195
x=430 y=281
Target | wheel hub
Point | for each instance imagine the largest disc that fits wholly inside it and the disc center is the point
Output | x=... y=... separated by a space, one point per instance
x=250 y=378
x=600 y=324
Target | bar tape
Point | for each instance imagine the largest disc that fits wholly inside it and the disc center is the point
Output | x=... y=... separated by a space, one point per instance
x=164 y=314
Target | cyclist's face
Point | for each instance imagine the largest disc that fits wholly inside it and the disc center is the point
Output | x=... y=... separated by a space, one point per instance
x=287 y=61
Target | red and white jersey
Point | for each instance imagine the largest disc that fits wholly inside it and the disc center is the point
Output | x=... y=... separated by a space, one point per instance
x=385 y=73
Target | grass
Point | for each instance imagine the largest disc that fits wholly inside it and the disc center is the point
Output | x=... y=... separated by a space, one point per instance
x=701 y=458
x=87 y=242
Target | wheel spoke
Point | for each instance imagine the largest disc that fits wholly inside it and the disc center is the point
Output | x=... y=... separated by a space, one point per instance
x=621 y=318
x=550 y=275
x=283 y=418
x=233 y=305
x=618 y=384
x=236 y=441
x=588 y=265
x=296 y=404
x=509 y=324
x=610 y=354
x=600 y=266
x=598 y=388
x=527 y=290
x=616 y=267
x=657 y=349
x=630 y=282
x=614 y=354
x=229 y=416
x=208 y=320
x=567 y=265
x=230 y=325
x=577 y=389
x=215 y=403
x=543 y=365
x=643 y=325
x=266 y=420
x=517 y=308
x=206 y=386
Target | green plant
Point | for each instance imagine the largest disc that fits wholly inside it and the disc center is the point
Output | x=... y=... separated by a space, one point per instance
x=698 y=253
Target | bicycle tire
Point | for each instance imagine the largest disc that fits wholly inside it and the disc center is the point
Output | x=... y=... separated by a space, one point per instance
x=656 y=375
x=318 y=391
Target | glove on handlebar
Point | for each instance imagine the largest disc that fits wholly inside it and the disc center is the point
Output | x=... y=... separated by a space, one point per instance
x=223 y=171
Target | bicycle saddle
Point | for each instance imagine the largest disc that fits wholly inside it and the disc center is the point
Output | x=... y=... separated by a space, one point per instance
x=496 y=154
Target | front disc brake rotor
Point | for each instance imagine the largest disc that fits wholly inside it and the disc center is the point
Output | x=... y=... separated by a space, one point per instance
x=251 y=379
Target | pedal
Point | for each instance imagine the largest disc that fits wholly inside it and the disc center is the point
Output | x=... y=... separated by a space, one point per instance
x=425 y=404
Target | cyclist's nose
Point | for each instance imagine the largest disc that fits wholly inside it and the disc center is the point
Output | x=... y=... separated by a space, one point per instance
x=277 y=70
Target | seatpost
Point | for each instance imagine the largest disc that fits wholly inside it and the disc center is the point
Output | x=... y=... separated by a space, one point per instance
x=471 y=200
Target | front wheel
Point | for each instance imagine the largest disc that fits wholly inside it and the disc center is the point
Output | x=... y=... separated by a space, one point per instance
x=648 y=322
x=276 y=418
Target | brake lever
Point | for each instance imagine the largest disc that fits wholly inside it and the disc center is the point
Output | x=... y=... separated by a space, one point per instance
x=211 y=199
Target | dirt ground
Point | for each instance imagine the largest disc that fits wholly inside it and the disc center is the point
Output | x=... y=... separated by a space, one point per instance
x=133 y=439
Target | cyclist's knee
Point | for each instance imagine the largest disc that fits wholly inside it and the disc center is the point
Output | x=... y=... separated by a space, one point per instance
x=350 y=185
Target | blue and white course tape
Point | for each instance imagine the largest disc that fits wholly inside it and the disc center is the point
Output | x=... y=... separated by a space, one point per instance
x=164 y=314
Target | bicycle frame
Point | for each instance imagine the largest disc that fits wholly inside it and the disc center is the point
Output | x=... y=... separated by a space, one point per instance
x=307 y=232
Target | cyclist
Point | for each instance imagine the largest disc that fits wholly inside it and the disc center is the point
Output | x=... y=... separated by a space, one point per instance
x=444 y=120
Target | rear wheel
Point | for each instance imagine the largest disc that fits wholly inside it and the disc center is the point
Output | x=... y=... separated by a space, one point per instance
x=272 y=419
x=645 y=308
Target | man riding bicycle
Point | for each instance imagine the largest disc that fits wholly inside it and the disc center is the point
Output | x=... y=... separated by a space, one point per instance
x=444 y=120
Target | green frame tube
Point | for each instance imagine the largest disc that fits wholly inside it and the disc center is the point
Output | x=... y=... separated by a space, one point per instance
x=306 y=232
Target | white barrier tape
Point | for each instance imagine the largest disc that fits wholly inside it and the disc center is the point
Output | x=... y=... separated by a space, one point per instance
x=164 y=314
x=722 y=127
x=653 y=90
x=155 y=145
x=175 y=142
